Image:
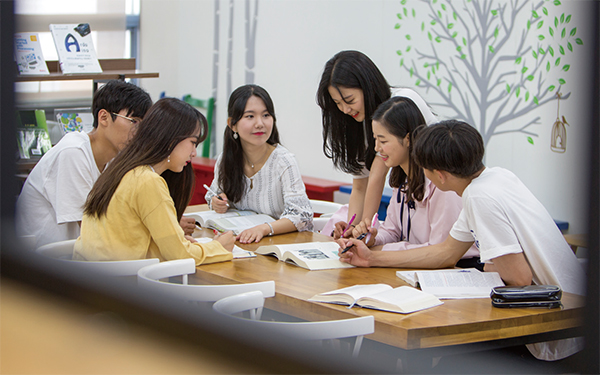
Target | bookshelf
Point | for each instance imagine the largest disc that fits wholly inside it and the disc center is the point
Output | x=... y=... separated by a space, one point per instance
x=111 y=69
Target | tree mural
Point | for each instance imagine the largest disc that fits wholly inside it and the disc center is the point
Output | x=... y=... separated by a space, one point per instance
x=250 y=23
x=490 y=62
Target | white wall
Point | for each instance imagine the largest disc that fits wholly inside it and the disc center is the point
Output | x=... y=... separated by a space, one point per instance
x=294 y=40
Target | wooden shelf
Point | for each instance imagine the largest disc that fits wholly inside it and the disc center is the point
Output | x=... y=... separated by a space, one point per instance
x=111 y=69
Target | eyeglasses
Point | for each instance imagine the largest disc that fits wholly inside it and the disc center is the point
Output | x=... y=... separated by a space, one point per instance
x=133 y=121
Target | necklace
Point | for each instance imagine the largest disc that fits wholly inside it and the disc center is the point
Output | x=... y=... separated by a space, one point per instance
x=258 y=161
x=252 y=165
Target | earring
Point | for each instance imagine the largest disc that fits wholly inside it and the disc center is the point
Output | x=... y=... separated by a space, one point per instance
x=169 y=159
x=235 y=135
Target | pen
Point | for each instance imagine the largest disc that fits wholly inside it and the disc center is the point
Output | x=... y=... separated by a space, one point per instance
x=374 y=224
x=350 y=223
x=358 y=238
x=212 y=191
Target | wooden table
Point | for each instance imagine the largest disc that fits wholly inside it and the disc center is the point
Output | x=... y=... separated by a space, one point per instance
x=576 y=240
x=465 y=324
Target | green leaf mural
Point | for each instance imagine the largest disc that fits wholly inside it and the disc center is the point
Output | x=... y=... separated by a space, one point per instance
x=510 y=54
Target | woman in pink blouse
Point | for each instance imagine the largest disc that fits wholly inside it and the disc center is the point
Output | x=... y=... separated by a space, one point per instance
x=419 y=214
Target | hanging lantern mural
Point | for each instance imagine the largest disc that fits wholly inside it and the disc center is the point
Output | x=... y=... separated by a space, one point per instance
x=558 y=141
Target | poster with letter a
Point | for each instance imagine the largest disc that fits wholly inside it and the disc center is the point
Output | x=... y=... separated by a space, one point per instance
x=75 y=48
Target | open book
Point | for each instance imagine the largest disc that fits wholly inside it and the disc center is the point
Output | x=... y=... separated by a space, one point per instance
x=403 y=299
x=237 y=252
x=309 y=255
x=453 y=283
x=234 y=220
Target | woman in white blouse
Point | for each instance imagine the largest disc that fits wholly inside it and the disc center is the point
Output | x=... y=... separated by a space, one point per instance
x=255 y=172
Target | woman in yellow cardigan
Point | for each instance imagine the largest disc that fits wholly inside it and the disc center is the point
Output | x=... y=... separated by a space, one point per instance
x=134 y=208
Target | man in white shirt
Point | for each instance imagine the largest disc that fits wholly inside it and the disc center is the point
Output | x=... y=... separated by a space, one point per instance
x=513 y=231
x=50 y=206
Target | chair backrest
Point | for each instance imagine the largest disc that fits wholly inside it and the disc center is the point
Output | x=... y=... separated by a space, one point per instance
x=149 y=277
x=63 y=251
x=325 y=208
x=323 y=330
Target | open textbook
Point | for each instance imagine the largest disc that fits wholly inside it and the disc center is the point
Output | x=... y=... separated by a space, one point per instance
x=237 y=252
x=404 y=299
x=234 y=220
x=453 y=283
x=309 y=255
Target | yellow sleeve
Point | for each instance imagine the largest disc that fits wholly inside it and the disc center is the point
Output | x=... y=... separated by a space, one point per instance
x=159 y=216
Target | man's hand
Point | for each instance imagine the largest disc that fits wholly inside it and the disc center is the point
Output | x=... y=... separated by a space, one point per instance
x=358 y=254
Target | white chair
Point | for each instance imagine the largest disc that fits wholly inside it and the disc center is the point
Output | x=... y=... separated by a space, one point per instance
x=324 y=330
x=326 y=209
x=150 y=278
x=63 y=251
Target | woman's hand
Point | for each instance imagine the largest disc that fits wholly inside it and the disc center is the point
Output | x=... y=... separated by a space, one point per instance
x=365 y=227
x=254 y=234
x=339 y=229
x=220 y=206
x=188 y=224
x=226 y=239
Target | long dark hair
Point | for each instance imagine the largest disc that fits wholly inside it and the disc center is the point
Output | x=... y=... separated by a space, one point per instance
x=343 y=139
x=401 y=116
x=168 y=122
x=231 y=168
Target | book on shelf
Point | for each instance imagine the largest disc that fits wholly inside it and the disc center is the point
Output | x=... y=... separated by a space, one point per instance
x=404 y=299
x=29 y=56
x=234 y=220
x=309 y=255
x=75 y=48
x=453 y=283
x=74 y=119
x=33 y=140
x=237 y=251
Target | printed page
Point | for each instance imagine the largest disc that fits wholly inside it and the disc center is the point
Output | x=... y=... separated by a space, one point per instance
x=462 y=284
x=356 y=291
x=237 y=252
x=203 y=216
x=315 y=255
x=404 y=299
x=411 y=275
x=239 y=223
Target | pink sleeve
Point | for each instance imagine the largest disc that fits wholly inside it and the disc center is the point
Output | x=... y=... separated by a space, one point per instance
x=389 y=231
x=442 y=210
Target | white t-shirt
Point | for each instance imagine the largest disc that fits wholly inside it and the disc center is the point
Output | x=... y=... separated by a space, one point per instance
x=52 y=199
x=277 y=190
x=503 y=217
